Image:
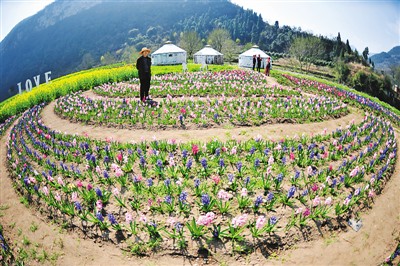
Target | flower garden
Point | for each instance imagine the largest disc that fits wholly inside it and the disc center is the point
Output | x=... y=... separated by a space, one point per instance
x=230 y=197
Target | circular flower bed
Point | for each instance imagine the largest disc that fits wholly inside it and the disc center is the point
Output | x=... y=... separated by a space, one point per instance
x=175 y=195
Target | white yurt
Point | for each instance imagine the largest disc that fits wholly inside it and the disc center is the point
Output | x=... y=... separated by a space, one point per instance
x=168 y=54
x=246 y=58
x=208 y=56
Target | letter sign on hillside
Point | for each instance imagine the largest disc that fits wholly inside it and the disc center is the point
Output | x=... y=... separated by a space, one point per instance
x=28 y=82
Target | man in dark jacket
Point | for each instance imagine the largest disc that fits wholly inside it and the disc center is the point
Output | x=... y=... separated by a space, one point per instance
x=143 y=65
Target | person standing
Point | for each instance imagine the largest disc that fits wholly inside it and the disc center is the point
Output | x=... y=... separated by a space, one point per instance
x=268 y=66
x=254 y=61
x=143 y=65
x=259 y=59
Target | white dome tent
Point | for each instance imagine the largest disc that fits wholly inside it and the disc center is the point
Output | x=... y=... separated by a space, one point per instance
x=168 y=54
x=208 y=55
x=246 y=58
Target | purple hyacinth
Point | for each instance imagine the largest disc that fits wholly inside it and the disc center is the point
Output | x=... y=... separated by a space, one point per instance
x=221 y=163
x=252 y=150
x=217 y=152
x=270 y=196
x=142 y=161
x=196 y=183
x=183 y=196
x=205 y=199
x=99 y=193
x=159 y=163
x=291 y=192
x=105 y=174
x=247 y=180
x=231 y=178
x=168 y=199
x=78 y=206
x=258 y=201
x=279 y=178
x=112 y=219
x=257 y=163
x=273 y=220
x=184 y=153
x=149 y=182
x=239 y=166
x=203 y=162
x=167 y=182
x=99 y=216
x=189 y=164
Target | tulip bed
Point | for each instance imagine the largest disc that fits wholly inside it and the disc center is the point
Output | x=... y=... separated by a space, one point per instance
x=228 y=83
x=175 y=195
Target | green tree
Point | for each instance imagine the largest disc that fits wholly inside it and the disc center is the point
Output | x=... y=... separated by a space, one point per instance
x=365 y=54
x=338 y=48
x=348 y=48
x=217 y=38
x=191 y=42
x=108 y=59
x=230 y=50
x=87 y=61
x=342 y=71
x=305 y=50
x=129 y=55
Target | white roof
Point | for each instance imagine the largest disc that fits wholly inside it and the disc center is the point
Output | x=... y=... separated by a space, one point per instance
x=168 y=47
x=254 y=51
x=208 y=50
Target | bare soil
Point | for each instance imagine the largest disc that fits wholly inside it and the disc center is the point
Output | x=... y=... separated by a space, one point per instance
x=369 y=246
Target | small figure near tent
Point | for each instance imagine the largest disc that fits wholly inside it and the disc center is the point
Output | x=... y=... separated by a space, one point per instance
x=268 y=66
x=259 y=60
x=143 y=65
x=254 y=61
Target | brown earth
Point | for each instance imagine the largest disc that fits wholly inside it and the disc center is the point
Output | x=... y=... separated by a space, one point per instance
x=369 y=246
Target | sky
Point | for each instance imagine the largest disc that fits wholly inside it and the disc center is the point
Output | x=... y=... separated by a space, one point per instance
x=365 y=23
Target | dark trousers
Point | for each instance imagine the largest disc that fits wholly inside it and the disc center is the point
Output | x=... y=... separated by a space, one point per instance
x=144 y=86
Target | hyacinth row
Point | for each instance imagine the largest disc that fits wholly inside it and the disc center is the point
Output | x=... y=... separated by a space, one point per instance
x=236 y=191
x=4 y=126
x=390 y=260
x=6 y=255
x=319 y=88
x=228 y=83
x=208 y=112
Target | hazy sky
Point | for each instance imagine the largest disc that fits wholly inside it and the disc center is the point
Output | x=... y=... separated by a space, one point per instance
x=366 y=23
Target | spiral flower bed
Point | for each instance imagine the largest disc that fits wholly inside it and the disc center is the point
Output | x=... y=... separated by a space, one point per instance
x=173 y=195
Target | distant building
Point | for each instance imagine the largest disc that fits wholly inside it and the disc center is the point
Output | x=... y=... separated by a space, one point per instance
x=246 y=58
x=208 y=56
x=169 y=54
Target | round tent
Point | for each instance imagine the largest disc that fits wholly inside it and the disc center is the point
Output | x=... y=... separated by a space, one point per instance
x=246 y=58
x=169 y=54
x=208 y=55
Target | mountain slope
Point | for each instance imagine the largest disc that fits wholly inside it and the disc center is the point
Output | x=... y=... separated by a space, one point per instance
x=384 y=60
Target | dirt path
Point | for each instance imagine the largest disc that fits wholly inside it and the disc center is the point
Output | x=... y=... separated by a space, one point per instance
x=274 y=131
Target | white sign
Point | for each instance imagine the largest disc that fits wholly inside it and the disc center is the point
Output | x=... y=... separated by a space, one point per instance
x=36 y=79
